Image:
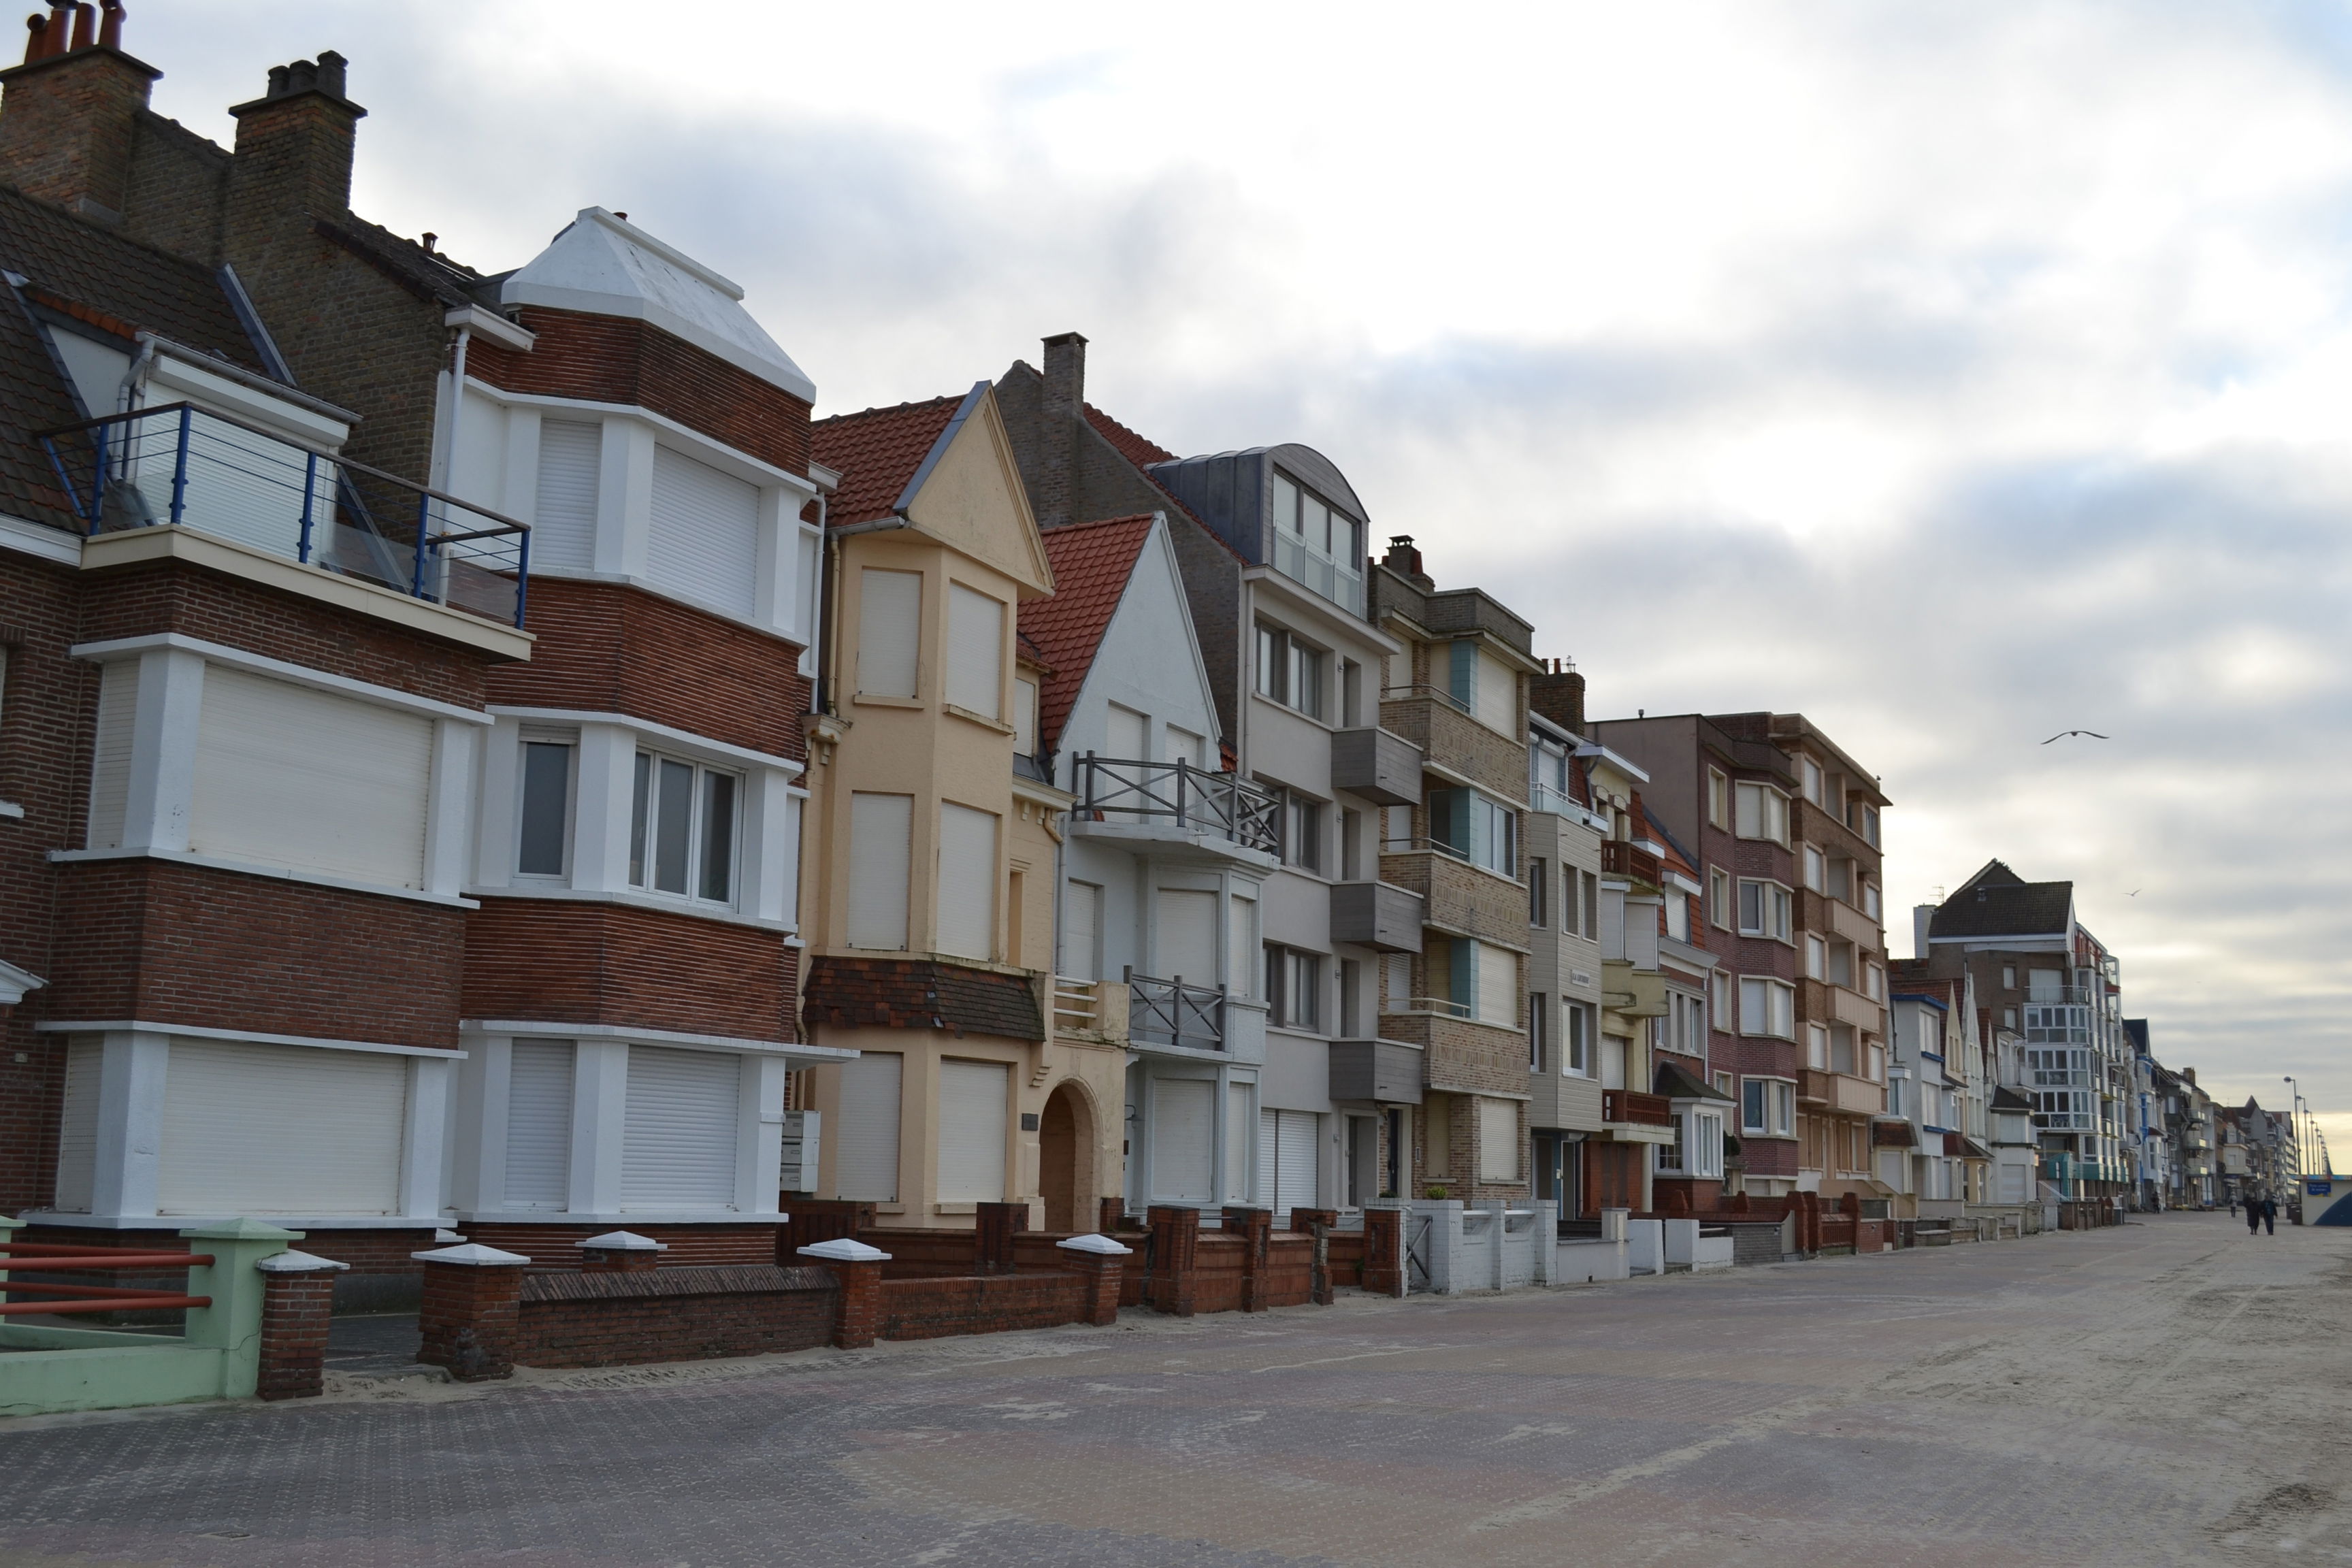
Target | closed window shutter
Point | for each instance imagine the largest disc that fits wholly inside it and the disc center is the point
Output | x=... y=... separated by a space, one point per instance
x=1285 y=1157
x=1124 y=735
x=975 y=651
x=109 y=782
x=880 y=828
x=967 y=881
x=1241 y=947
x=1499 y=693
x=288 y=776
x=538 y=1124
x=1498 y=986
x=563 y=524
x=678 y=1139
x=975 y=1098
x=1187 y=946
x=1238 y=1123
x=889 y=631
x=866 y=1134
x=77 y=1132
x=1081 y=930
x=1499 y=1140
x=251 y=1129
x=704 y=540
x=1184 y=1131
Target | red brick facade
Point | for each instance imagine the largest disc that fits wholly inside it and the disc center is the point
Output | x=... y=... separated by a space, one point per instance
x=561 y=961
x=610 y=359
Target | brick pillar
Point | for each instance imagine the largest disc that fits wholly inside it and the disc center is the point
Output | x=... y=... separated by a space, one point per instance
x=1320 y=1224
x=1257 y=1230
x=1103 y=1262
x=857 y=1317
x=1113 y=1218
x=1384 y=1251
x=297 y=1299
x=1175 y=1253
x=815 y=1221
x=470 y=1317
x=993 y=1227
x=620 y=1252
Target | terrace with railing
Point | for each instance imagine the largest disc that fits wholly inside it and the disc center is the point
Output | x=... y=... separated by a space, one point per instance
x=187 y=466
x=1187 y=801
x=1171 y=1013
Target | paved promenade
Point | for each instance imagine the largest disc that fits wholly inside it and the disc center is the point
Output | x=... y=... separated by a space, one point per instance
x=2167 y=1392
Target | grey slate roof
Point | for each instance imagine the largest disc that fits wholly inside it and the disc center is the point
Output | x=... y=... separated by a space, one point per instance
x=1997 y=901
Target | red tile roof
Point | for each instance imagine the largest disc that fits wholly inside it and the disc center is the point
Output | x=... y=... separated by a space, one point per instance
x=1092 y=563
x=875 y=451
x=1141 y=450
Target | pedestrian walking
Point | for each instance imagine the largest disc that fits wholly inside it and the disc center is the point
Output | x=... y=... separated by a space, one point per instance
x=2253 y=1216
x=2270 y=1215
x=2233 y=1206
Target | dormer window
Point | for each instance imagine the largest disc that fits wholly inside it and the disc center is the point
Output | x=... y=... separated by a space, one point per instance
x=1317 y=544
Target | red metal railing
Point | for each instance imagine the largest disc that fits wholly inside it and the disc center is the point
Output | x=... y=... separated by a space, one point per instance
x=55 y=1257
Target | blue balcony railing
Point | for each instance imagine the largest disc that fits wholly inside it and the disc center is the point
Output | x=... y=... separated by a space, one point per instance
x=182 y=465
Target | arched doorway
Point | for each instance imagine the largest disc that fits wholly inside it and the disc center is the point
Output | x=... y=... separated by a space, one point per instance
x=1066 y=1163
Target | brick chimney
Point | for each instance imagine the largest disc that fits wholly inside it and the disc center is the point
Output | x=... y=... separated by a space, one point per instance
x=1405 y=561
x=68 y=113
x=1064 y=405
x=293 y=153
x=1558 y=694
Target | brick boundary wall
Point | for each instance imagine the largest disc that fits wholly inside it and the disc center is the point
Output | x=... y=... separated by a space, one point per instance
x=983 y=1304
x=295 y=1312
x=621 y=1318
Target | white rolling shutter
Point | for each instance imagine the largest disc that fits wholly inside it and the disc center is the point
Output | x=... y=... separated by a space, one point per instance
x=704 y=540
x=889 y=631
x=1238 y=1123
x=255 y=1130
x=538 y=1124
x=881 y=827
x=1498 y=1140
x=78 y=1132
x=1184 y=1133
x=1186 y=942
x=1499 y=693
x=1081 y=930
x=975 y=651
x=678 y=1141
x=966 y=882
x=1286 y=1160
x=866 y=1129
x=1240 y=946
x=1126 y=735
x=288 y=776
x=109 y=773
x=563 y=524
x=1498 y=986
x=974 y=1105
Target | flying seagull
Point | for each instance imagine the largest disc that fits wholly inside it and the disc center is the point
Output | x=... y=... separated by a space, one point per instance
x=2064 y=733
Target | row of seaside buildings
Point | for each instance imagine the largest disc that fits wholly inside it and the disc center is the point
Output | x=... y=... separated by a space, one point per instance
x=476 y=750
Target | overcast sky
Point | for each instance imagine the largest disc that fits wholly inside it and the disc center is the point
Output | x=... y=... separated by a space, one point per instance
x=1953 y=374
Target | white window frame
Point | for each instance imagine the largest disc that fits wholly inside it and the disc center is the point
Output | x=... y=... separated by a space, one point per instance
x=1760 y=813
x=1768 y=1001
x=1281 y=675
x=649 y=783
x=1775 y=909
x=533 y=735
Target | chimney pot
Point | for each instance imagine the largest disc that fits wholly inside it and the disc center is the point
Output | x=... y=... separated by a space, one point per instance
x=278 y=77
x=60 y=28
x=109 y=27
x=429 y=238
x=85 y=28
x=36 y=28
x=329 y=74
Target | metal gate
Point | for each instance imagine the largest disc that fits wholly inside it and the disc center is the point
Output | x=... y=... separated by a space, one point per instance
x=1417 y=1229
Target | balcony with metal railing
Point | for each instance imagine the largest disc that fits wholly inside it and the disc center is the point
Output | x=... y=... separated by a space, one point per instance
x=186 y=467
x=1171 y=1013
x=1174 y=807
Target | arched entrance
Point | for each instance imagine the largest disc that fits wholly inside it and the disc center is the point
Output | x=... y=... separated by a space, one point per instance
x=1066 y=1162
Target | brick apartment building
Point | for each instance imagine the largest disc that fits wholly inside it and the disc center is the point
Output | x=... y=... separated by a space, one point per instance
x=517 y=947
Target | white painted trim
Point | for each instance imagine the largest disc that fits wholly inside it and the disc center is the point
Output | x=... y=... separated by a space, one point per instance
x=627 y=1034
x=248 y=1037
x=163 y=541
x=606 y=1217
x=491 y=325
x=40 y=540
x=280 y=873
x=729 y=458
x=16 y=981
x=10 y=809
x=292 y=1222
x=667 y=903
x=278 y=669
x=701 y=747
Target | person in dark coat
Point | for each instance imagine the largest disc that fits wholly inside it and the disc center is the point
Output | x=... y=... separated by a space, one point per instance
x=2270 y=1215
x=2233 y=1206
x=2253 y=1216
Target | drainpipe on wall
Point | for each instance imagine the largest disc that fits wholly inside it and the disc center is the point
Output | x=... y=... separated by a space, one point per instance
x=456 y=400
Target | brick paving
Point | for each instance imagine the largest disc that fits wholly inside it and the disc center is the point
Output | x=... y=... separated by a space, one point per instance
x=2167 y=1392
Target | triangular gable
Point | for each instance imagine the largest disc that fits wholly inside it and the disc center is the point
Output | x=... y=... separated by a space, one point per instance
x=1093 y=563
x=1150 y=617
x=968 y=495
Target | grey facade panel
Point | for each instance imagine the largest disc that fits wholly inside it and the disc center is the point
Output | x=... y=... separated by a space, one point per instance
x=1378 y=765
x=1376 y=915
x=1379 y=1070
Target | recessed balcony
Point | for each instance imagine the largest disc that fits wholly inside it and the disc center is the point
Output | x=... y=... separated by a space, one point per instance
x=1171 y=1013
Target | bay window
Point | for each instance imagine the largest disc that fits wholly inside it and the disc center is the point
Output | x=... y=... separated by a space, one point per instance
x=682 y=829
x=1767 y=1007
x=1762 y=813
x=1764 y=910
x=542 y=847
